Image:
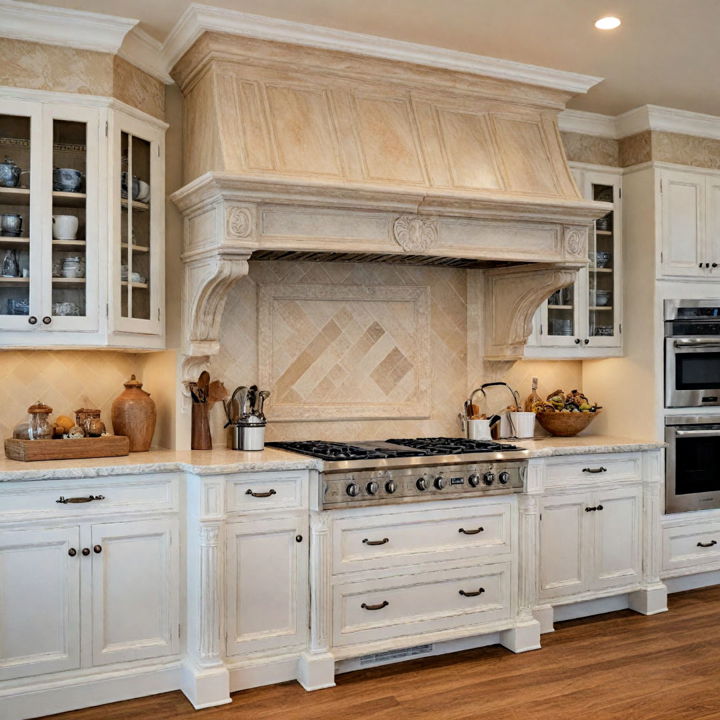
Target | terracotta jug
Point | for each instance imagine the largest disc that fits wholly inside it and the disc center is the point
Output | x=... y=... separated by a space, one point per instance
x=134 y=415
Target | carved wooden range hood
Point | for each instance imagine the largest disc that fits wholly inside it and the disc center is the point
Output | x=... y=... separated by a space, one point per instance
x=299 y=152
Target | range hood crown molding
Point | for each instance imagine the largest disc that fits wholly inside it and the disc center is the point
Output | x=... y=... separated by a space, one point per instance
x=292 y=149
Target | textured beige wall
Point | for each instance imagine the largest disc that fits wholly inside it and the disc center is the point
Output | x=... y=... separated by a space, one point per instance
x=590 y=149
x=686 y=150
x=51 y=67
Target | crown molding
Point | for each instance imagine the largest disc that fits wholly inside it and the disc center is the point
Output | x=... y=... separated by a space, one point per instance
x=200 y=18
x=146 y=53
x=60 y=26
x=654 y=117
x=587 y=123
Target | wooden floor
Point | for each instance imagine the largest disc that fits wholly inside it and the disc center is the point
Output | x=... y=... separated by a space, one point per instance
x=619 y=666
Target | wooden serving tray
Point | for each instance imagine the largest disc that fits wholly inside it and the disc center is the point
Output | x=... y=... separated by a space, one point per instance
x=29 y=450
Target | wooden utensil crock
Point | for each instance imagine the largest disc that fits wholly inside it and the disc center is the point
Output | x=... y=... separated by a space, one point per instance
x=134 y=415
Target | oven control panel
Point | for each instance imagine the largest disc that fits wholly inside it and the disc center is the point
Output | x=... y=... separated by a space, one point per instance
x=422 y=482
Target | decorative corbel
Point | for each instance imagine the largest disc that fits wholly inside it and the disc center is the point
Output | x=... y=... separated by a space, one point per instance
x=512 y=295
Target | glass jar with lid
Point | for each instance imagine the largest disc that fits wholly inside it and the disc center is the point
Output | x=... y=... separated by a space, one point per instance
x=40 y=427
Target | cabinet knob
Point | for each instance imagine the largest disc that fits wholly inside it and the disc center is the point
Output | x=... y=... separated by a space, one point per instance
x=298 y=538
x=586 y=341
x=32 y=320
x=72 y=552
x=47 y=320
x=86 y=551
x=707 y=265
x=599 y=507
x=700 y=265
x=97 y=549
x=714 y=265
x=577 y=341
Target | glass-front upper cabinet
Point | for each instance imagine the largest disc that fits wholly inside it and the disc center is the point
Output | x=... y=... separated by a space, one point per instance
x=585 y=319
x=138 y=200
x=81 y=223
x=20 y=235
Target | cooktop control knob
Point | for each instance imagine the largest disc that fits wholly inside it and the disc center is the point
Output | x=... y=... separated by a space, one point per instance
x=421 y=484
x=489 y=478
x=504 y=477
x=390 y=487
x=353 y=489
x=372 y=488
x=474 y=480
x=439 y=482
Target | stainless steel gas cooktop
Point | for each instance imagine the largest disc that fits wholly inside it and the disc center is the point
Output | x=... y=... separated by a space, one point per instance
x=412 y=469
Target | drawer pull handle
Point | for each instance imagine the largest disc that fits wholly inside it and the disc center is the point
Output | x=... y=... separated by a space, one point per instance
x=595 y=471
x=73 y=500
x=471 y=532
x=269 y=493
x=590 y=509
x=376 y=542
x=379 y=606
x=710 y=544
x=479 y=591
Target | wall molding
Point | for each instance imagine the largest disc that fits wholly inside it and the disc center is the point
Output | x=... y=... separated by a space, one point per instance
x=60 y=26
x=199 y=18
x=640 y=119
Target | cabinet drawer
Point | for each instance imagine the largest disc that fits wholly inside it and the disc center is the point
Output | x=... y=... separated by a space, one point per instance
x=593 y=467
x=373 y=610
x=156 y=492
x=689 y=545
x=267 y=491
x=399 y=539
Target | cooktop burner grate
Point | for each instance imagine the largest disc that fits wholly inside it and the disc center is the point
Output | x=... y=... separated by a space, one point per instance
x=395 y=448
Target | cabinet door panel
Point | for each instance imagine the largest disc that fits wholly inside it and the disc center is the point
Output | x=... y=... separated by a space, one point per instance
x=618 y=537
x=713 y=224
x=39 y=602
x=563 y=547
x=135 y=590
x=266 y=579
x=683 y=224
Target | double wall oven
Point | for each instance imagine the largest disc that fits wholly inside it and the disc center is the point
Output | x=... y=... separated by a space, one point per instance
x=692 y=380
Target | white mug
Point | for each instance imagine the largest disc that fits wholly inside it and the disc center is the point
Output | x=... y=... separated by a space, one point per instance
x=478 y=429
x=65 y=227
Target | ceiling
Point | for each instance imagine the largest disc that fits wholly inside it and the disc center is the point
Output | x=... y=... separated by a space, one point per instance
x=665 y=53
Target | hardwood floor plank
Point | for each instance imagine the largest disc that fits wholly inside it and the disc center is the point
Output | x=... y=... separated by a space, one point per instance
x=619 y=666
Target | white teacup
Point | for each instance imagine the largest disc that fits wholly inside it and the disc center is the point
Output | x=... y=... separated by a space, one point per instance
x=144 y=191
x=65 y=227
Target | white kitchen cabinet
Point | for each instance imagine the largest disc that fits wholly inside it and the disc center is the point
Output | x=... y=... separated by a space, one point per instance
x=590 y=541
x=584 y=320
x=266 y=584
x=81 y=265
x=135 y=582
x=39 y=601
x=690 y=224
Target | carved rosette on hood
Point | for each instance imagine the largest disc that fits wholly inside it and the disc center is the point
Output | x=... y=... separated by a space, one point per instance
x=305 y=152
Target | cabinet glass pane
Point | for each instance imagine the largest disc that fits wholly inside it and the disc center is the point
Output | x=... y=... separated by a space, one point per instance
x=15 y=215
x=135 y=270
x=601 y=271
x=561 y=312
x=69 y=203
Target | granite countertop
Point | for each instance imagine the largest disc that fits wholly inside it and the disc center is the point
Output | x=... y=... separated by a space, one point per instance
x=221 y=461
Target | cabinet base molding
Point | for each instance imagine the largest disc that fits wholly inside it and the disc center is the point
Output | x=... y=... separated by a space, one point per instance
x=205 y=687
x=692 y=582
x=522 y=638
x=263 y=671
x=41 y=698
x=316 y=670
x=649 y=600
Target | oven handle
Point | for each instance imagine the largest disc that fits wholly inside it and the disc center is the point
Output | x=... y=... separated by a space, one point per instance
x=695 y=342
x=697 y=433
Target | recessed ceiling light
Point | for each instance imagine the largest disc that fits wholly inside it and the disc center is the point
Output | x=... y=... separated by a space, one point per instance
x=607 y=23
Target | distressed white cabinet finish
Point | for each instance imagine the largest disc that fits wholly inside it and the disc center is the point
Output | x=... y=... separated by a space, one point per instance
x=134 y=590
x=266 y=584
x=584 y=320
x=39 y=601
x=99 y=304
x=600 y=531
x=690 y=223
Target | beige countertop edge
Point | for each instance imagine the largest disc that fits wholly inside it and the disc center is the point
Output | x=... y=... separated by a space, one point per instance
x=217 y=462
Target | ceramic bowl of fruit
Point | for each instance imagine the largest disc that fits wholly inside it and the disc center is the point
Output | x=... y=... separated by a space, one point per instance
x=565 y=415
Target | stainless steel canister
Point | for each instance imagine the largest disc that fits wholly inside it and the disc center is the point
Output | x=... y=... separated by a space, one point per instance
x=247 y=436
